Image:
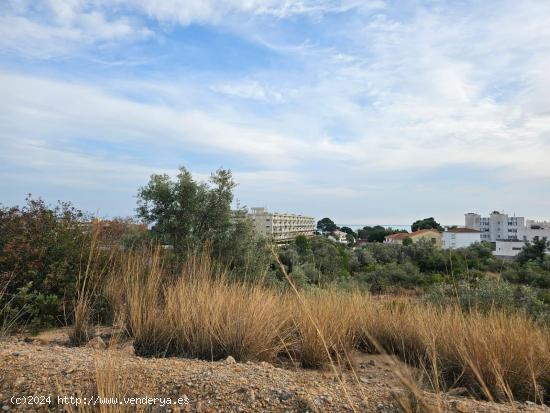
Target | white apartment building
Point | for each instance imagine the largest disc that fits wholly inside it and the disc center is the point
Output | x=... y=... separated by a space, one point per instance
x=460 y=237
x=533 y=229
x=281 y=227
x=497 y=226
x=508 y=248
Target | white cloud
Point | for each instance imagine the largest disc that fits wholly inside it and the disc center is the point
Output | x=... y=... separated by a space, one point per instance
x=66 y=27
x=38 y=108
x=392 y=93
x=249 y=90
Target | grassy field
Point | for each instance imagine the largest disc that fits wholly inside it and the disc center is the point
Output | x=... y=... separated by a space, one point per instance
x=203 y=313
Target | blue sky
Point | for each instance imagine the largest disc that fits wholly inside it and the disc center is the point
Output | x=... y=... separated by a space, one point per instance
x=365 y=111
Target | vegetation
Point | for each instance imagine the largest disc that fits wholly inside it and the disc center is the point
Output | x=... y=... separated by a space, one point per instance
x=202 y=284
x=201 y=314
x=426 y=223
x=376 y=233
x=326 y=225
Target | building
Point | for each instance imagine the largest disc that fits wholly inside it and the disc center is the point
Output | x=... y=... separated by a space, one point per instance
x=281 y=227
x=429 y=235
x=460 y=237
x=339 y=236
x=508 y=248
x=497 y=226
x=533 y=229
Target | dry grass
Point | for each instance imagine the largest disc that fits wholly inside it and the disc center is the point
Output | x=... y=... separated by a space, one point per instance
x=212 y=317
x=497 y=356
x=327 y=320
x=88 y=288
x=201 y=313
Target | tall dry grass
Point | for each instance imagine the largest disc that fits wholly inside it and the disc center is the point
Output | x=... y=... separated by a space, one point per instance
x=497 y=356
x=201 y=312
x=327 y=324
x=93 y=273
x=110 y=389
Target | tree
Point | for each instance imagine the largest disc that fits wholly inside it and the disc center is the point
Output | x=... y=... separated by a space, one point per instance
x=426 y=223
x=184 y=212
x=303 y=244
x=349 y=231
x=533 y=251
x=326 y=225
x=376 y=233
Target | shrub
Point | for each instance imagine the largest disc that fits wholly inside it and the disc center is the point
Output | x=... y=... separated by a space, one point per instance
x=488 y=295
x=40 y=252
x=201 y=313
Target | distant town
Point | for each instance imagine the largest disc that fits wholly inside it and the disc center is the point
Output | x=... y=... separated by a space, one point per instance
x=508 y=234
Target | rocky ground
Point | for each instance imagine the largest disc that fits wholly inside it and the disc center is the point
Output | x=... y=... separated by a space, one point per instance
x=45 y=365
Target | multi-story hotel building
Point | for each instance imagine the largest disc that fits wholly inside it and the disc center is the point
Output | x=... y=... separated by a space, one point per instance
x=497 y=226
x=281 y=227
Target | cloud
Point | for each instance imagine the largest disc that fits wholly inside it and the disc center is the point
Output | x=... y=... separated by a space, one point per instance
x=249 y=90
x=55 y=111
x=65 y=28
x=367 y=101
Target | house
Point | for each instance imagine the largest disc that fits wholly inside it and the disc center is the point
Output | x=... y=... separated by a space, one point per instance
x=339 y=236
x=508 y=248
x=460 y=237
x=429 y=235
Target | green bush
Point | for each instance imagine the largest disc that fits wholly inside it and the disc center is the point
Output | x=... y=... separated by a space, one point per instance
x=40 y=257
x=487 y=295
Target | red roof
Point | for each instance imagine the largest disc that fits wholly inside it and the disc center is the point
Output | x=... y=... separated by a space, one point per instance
x=403 y=235
x=463 y=230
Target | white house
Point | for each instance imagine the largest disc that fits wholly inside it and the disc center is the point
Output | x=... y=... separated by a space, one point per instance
x=460 y=237
x=339 y=236
x=508 y=248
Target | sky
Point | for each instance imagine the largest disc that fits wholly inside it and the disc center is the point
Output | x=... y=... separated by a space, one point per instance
x=368 y=112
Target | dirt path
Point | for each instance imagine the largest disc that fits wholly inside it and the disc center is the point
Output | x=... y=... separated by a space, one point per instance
x=43 y=366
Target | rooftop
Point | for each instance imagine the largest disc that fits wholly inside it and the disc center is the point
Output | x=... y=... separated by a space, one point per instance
x=462 y=230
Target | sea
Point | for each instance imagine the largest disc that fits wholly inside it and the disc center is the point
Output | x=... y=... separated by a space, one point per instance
x=355 y=227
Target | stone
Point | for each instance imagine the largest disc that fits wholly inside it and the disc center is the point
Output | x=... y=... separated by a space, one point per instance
x=129 y=349
x=372 y=363
x=19 y=382
x=5 y=408
x=97 y=343
x=458 y=391
x=285 y=395
x=462 y=407
x=230 y=360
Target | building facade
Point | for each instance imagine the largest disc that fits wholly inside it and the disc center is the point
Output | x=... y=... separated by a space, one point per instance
x=534 y=229
x=339 y=236
x=460 y=237
x=508 y=248
x=281 y=227
x=429 y=235
x=497 y=226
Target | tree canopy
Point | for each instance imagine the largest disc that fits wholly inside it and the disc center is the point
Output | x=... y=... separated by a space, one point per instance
x=533 y=251
x=183 y=211
x=326 y=225
x=426 y=223
x=376 y=233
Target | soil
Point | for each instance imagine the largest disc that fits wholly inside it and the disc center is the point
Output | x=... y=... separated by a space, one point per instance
x=45 y=365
